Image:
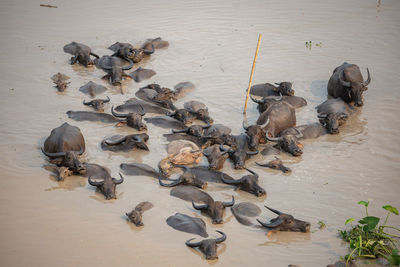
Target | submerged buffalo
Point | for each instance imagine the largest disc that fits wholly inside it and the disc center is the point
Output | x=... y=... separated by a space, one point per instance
x=136 y=214
x=276 y=164
x=161 y=96
x=288 y=139
x=244 y=210
x=215 y=209
x=141 y=74
x=199 y=110
x=166 y=122
x=187 y=178
x=114 y=67
x=132 y=119
x=63 y=147
x=81 y=53
x=127 y=51
x=216 y=157
x=182 y=115
x=248 y=183
x=61 y=81
x=91 y=116
x=348 y=83
x=333 y=113
x=97 y=104
x=125 y=143
x=195 y=130
x=185 y=223
x=240 y=150
x=286 y=222
x=208 y=246
x=92 y=89
x=107 y=185
x=136 y=105
x=267 y=89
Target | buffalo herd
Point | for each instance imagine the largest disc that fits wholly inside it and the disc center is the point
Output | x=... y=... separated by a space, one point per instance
x=192 y=135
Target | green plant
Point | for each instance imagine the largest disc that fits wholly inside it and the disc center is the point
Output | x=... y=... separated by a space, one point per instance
x=368 y=240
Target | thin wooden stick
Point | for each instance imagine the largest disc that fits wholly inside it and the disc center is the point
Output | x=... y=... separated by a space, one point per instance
x=252 y=72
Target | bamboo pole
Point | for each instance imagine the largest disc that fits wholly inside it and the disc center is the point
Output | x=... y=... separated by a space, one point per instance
x=252 y=72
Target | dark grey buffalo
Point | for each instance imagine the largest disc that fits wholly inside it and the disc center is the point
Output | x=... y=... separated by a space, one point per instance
x=106 y=185
x=187 y=178
x=348 y=83
x=91 y=116
x=267 y=89
x=125 y=143
x=135 y=216
x=136 y=105
x=141 y=74
x=195 y=130
x=97 y=104
x=266 y=102
x=334 y=113
x=276 y=164
x=288 y=139
x=214 y=209
x=182 y=115
x=61 y=81
x=127 y=51
x=248 y=183
x=63 y=147
x=190 y=193
x=81 y=53
x=139 y=169
x=161 y=96
x=286 y=222
x=208 y=246
x=240 y=151
x=114 y=67
x=166 y=122
x=244 y=210
x=92 y=89
x=132 y=119
x=216 y=157
x=199 y=110
x=185 y=223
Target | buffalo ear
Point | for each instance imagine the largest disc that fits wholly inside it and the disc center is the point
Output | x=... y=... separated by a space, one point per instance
x=56 y=161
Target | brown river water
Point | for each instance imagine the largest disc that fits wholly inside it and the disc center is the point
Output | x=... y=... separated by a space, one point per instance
x=212 y=44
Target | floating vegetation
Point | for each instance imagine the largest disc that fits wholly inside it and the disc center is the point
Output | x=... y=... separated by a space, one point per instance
x=369 y=241
x=309 y=44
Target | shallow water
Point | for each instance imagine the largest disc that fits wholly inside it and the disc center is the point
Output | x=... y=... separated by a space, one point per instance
x=212 y=44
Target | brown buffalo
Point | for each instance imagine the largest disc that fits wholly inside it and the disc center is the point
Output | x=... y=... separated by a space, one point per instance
x=286 y=222
x=208 y=246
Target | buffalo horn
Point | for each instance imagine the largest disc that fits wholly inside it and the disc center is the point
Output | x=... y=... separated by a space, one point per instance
x=271 y=225
x=245 y=125
x=265 y=124
x=53 y=155
x=87 y=103
x=130 y=65
x=252 y=152
x=199 y=207
x=277 y=84
x=174 y=183
x=322 y=116
x=229 y=204
x=180 y=131
x=169 y=113
x=342 y=82
x=115 y=142
x=121 y=115
x=252 y=172
x=256 y=100
x=343 y=116
x=273 y=210
x=148 y=52
x=94 y=183
x=206 y=126
x=262 y=165
x=106 y=100
x=220 y=239
x=192 y=245
x=368 y=79
x=120 y=181
x=299 y=134
x=233 y=182
x=142 y=112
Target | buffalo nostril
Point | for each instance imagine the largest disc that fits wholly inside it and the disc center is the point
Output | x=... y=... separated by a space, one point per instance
x=218 y=221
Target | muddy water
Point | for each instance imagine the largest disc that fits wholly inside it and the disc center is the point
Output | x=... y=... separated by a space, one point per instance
x=47 y=223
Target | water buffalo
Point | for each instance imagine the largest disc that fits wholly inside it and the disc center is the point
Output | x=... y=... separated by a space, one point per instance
x=184 y=223
x=215 y=209
x=97 y=104
x=277 y=118
x=195 y=130
x=114 y=67
x=91 y=116
x=333 y=113
x=182 y=115
x=208 y=246
x=187 y=178
x=266 y=102
x=107 y=185
x=64 y=145
x=199 y=110
x=127 y=51
x=276 y=164
x=348 y=83
x=133 y=119
x=288 y=139
x=216 y=157
x=135 y=215
x=244 y=210
x=81 y=53
x=92 y=89
x=166 y=122
x=60 y=80
x=248 y=183
x=267 y=89
x=136 y=105
x=286 y=222
x=190 y=193
x=161 y=96
x=141 y=74
x=125 y=143
x=240 y=151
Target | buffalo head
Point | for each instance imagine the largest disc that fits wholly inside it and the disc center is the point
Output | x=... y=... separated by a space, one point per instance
x=286 y=222
x=216 y=156
x=248 y=183
x=182 y=115
x=68 y=159
x=239 y=151
x=116 y=72
x=187 y=178
x=130 y=141
x=215 y=209
x=265 y=102
x=284 y=88
x=107 y=185
x=256 y=135
x=195 y=130
x=133 y=119
x=289 y=143
x=276 y=164
x=208 y=246
x=97 y=104
x=332 y=121
x=355 y=89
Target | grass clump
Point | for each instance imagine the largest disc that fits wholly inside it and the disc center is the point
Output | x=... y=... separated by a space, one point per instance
x=368 y=240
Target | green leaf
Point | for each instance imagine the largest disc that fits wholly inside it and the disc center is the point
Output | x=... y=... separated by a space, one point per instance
x=370 y=223
x=391 y=209
x=349 y=220
x=394 y=259
x=362 y=202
